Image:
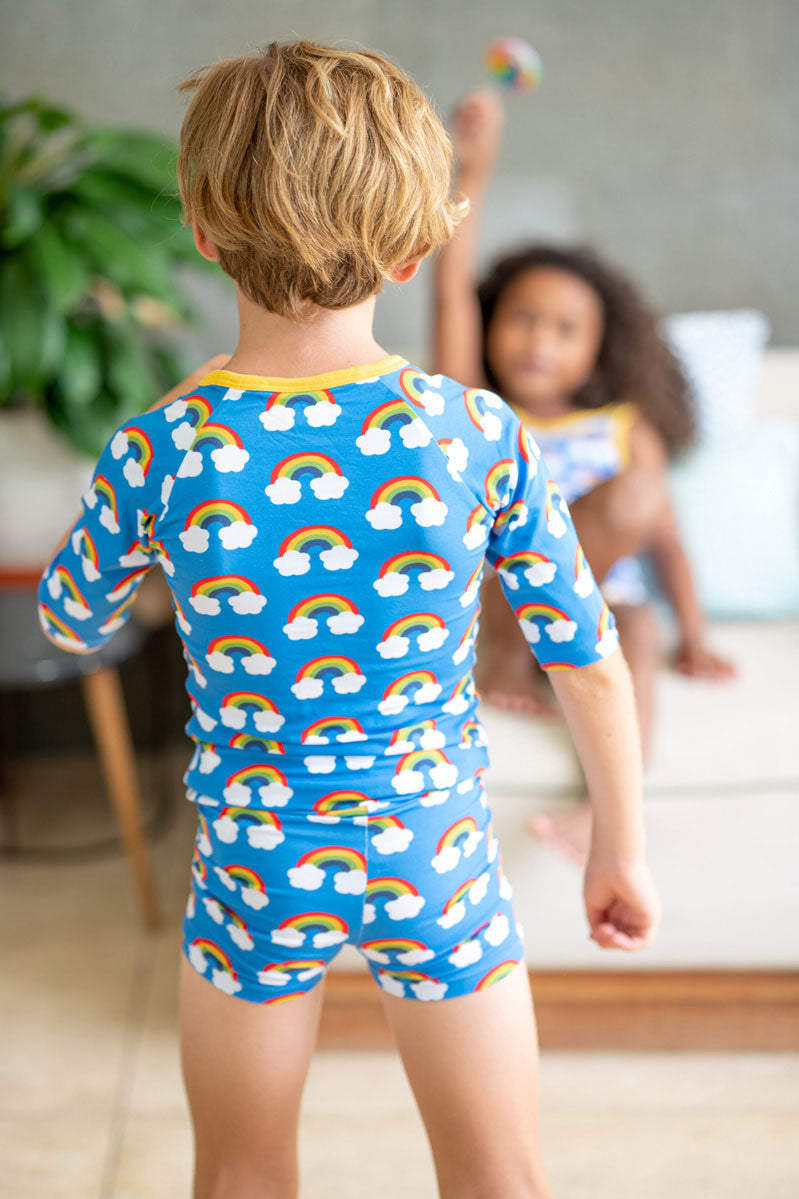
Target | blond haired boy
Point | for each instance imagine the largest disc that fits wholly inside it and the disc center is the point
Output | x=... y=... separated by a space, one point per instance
x=322 y=510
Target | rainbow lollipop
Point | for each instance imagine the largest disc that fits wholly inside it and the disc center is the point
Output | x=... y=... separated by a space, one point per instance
x=514 y=64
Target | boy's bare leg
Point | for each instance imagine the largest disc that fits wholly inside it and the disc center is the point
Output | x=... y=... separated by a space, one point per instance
x=569 y=832
x=244 y=1069
x=472 y=1063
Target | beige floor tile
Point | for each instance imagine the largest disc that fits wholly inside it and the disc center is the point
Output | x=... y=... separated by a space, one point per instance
x=635 y=1155
x=155 y=1159
x=696 y=1082
x=53 y=1157
x=363 y=1156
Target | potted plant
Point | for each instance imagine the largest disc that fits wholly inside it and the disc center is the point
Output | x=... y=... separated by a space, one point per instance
x=91 y=305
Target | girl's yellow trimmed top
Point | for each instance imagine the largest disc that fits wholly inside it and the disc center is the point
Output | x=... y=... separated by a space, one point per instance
x=352 y=374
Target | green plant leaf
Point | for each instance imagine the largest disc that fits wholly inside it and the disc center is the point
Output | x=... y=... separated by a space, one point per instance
x=145 y=157
x=24 y=216
x=23 y=325
x=81 y=376
x=130 y=374
x=62 y=269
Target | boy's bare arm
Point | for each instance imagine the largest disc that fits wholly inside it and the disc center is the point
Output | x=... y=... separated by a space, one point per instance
x=458 y=332
x=599 y=705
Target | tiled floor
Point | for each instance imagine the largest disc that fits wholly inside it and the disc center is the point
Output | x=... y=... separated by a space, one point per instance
x=91 y=1104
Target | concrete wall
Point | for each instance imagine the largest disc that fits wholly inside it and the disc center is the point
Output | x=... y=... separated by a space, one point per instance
x=665 y=131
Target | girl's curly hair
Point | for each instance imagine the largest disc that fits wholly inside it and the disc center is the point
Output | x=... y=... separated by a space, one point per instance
x=634 y=362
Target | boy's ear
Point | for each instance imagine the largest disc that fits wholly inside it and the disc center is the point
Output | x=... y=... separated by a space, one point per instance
x=204 y=244
x=401 y=274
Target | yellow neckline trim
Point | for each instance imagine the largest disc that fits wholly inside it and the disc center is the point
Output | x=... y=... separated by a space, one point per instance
x=352 y=374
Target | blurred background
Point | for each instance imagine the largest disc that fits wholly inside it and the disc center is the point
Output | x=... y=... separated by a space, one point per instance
x=663 y=134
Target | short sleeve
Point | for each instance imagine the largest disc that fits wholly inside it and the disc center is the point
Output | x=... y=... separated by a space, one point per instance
x=86 y=591
x=533 y=546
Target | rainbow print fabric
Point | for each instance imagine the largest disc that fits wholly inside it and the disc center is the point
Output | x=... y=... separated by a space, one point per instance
x=323 y=541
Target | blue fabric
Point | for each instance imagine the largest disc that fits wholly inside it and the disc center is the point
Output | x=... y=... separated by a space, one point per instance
x=324 y=548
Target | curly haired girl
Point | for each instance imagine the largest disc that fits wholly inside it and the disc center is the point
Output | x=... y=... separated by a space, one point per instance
x=574 y=349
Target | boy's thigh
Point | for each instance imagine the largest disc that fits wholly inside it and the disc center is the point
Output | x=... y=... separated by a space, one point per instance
x=245 y=1065
x=472 y=1063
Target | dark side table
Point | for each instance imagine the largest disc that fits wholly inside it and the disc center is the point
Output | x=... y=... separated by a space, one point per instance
x=29 y=661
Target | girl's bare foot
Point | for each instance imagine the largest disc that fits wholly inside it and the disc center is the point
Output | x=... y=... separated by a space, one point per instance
x=569 y=832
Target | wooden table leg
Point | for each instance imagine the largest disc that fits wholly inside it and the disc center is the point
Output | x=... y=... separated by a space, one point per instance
x=105 y=706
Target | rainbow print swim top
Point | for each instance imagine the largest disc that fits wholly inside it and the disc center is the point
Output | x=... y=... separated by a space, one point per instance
x=323 y=541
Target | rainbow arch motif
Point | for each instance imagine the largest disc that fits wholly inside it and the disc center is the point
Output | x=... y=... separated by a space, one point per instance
x=421 y=561
x=211 y=952
x=251 y=741
x=249 y=701
x=221 y=512
x=409 y=681
x=232 y=643
x=223 y=586
x=330 y=664
x=304 y=464
x=141 y=445
x=105 y=491
x=329 y=855
x=216 y=435
x=394 y=411
x=343 y=803
x=499 y=481
x=422 y=757
x=531 y=611
x=261 y=772
x=412 y=487
x=325 y=604
x=414 y=622
x=465 y=827
x=71 y=587
x=389 y=885
x=344 y=728
x=314 y=537
x=496 y=973
x=298 y=399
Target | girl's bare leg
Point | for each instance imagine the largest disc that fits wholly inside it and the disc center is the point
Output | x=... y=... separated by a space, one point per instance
x=614 y=519
x=472 y=1063
x=244 y=1068
x=570 y=831
x=506 y=672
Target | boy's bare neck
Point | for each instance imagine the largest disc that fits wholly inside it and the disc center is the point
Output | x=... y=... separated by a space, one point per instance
x=273 y=346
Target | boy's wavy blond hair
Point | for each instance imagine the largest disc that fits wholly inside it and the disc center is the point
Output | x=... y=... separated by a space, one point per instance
x=315 y=172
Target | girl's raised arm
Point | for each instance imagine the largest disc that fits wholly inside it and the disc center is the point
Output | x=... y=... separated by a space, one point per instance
x=458 y=335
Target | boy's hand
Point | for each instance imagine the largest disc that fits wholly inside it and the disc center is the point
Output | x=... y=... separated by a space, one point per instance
x=698 y=662
x=477 y=125
x=217 y=363
x=621 y=903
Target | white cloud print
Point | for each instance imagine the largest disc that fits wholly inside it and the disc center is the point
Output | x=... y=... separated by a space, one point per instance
x=434 y=580
x=338 y=557
x=394 y=647
x=237 y=535
x=428 y=693
x=308 y=688
x=206 y=605
x=415 y=434
x=258 y=664
x=531 y=631
x=284 y=491
x=457 y=458
x=183 y=435
x=432 y=639
x=277 y=418
x=194 y=539
x=302 y=628
x=133 y=473
x=385 y=516
x=556 y=525
x=348 y=684
x=374 y=441
x=406 y=782
x=540 y=573
x=392 y=705
x=404 y=907
x=561 y=630
x=329 y=486
x=119 y=444
x=247 y=603
x=584 y=583
x=322 y=413
x=227 y=458
x=607 y=642
x=307 y=877
x=429 y=512
x=344 y=622
x=473 y=538
x=293 y=562
x=392 y=583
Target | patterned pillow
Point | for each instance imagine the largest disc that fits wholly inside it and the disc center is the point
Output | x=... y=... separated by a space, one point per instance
x=720 y=354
